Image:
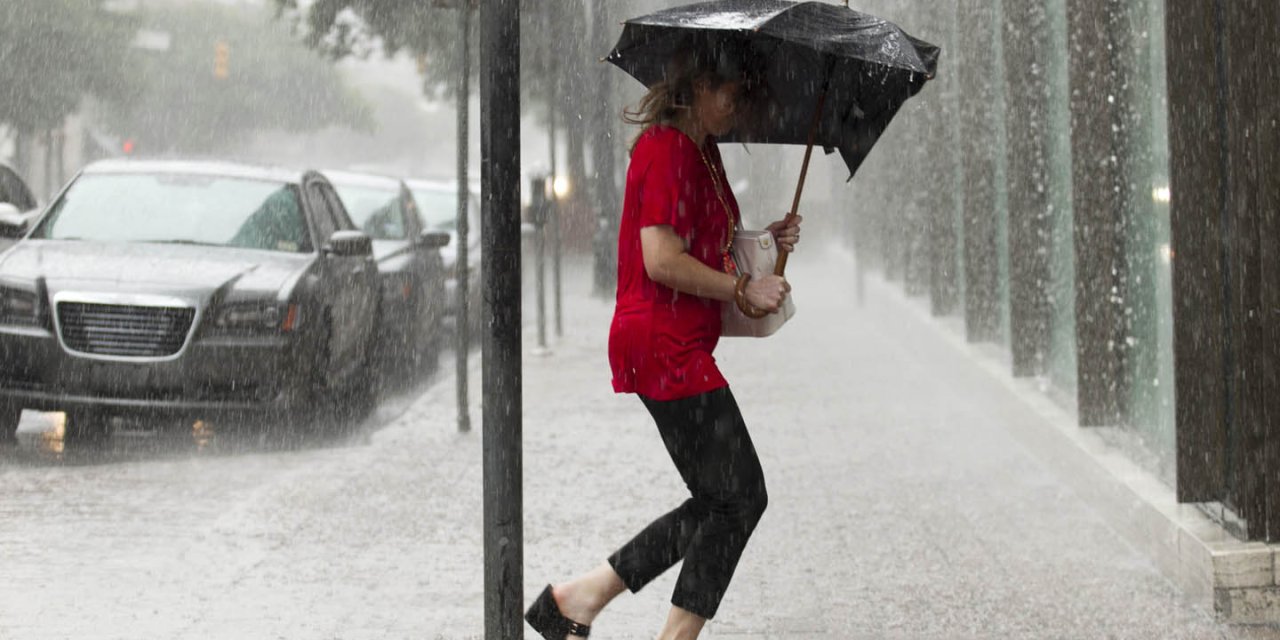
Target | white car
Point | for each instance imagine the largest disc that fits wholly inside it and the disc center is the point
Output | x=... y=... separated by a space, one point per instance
x=438 y=207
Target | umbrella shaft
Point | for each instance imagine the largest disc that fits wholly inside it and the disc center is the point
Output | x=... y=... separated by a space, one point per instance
x=781 y=267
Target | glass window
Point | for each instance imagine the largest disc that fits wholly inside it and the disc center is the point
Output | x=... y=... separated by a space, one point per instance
x=377 y=212
x=180 y=209
x=438 y=208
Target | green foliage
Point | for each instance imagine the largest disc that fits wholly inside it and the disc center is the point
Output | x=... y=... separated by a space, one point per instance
x=53 y=52
x=273 y=82
x=426 y=29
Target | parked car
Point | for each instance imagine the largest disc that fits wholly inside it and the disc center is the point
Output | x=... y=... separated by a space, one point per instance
x=410 y=265
x=18 y=207
x=438 y=208
x=186 y=289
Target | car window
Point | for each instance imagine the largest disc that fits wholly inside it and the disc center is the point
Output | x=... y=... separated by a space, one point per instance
x=375 y=211
x=180 y=209
x=437 y=208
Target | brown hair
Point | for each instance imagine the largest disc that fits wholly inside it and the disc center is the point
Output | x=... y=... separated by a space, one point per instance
x=665 y=100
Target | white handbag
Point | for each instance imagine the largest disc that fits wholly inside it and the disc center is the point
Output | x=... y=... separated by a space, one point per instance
x=756 y=254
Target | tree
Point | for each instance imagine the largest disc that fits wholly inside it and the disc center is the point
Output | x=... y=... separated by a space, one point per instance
x=53 y=53
x=426 y=29
x=226 y=74
x=556 y=53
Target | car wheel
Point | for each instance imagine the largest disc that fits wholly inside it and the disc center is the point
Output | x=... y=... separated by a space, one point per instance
x=357 y=398
x=9 y=418
x=310 y=412
x=86 y=426
x=430 y=344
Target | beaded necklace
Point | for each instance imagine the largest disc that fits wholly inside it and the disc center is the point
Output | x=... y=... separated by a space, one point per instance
x=730 y=266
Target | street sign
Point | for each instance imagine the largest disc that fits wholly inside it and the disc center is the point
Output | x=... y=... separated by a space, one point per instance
x=121 y=6
x=151 y=40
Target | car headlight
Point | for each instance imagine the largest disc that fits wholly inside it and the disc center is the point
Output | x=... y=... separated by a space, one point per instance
x=19 y=307
x=256 y=316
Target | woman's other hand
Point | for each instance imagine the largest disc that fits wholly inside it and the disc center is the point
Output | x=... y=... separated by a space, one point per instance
x=787 y=232
x=767 y=293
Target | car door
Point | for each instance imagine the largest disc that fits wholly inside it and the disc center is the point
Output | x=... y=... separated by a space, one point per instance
x=338 y=276
x=428 y=268
x=361 y=284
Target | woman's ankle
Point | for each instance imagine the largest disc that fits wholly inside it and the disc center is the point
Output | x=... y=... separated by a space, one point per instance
x=588 y=594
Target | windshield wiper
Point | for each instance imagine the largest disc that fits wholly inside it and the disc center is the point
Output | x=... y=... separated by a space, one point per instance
x=185 y=242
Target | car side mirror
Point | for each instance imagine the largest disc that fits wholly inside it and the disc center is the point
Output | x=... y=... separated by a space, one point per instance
x=348 y=244
x=434 y=239
x=12 y=223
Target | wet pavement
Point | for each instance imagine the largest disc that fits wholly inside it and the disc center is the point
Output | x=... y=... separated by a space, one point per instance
x=901 y=505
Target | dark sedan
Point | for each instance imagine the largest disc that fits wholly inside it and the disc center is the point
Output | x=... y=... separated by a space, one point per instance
x=17 y=206
x=410 y=266
x=189 y=289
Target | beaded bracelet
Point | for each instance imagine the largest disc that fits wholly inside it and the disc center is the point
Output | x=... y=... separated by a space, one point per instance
x=740 y=294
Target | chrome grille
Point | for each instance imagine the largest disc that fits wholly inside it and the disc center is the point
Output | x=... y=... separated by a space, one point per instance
x=124 y=330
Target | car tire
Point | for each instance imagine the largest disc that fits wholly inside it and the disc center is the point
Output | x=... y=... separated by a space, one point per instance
x=86 y=426
x=347 y=406
x=9 y=418
x=430 y=345
x=360 y=394
x=309 y=412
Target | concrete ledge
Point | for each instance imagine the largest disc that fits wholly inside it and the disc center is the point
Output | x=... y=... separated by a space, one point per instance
x=1237 y=581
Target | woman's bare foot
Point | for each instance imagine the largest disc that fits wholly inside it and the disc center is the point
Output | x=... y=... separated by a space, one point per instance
x=582 y=598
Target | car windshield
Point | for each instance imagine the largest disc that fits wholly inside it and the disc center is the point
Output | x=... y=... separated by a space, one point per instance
x=439 y=208
x=180 y=209
x=375 y=211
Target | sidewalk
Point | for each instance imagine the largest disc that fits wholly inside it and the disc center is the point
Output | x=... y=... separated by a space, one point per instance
x=902 y=505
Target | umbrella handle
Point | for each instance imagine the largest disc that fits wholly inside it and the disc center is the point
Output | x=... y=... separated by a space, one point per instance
x=780 y=268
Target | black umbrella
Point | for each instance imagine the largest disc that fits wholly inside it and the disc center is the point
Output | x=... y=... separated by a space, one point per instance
x=835 y=77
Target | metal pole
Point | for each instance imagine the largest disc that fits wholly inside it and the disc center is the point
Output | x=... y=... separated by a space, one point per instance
x=552 y=216
x=540 y=207
x=555 y=262
x=602 y=155
x=501 y=357
x=462 y=271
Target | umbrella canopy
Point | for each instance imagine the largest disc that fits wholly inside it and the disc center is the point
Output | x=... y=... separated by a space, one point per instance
x=863 y=66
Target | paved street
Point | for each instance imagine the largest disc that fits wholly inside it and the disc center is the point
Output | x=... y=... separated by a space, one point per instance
x=901 y=506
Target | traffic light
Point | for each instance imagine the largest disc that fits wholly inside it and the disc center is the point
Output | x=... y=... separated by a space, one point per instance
x=221 y=59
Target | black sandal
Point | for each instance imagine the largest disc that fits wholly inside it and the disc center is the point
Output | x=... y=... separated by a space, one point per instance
x=545 y=618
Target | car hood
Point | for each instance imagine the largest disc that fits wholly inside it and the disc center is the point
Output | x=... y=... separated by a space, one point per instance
x=141 y=267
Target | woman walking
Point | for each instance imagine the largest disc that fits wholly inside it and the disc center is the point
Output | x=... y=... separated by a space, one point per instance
x=674 y=273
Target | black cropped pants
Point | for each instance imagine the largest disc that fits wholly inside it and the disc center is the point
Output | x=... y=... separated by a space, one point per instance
x=708 y=442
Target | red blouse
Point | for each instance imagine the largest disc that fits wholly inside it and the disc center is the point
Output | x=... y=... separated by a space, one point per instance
x=660 y=342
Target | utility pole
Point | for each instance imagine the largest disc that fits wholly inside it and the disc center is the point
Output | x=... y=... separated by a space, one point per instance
x=553 y=214
x=503 y=395
x=462 y=323
x=602 y=156
x=540 y=211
